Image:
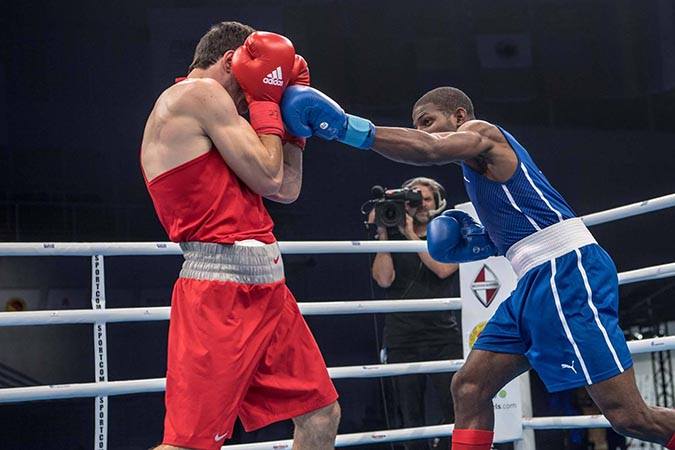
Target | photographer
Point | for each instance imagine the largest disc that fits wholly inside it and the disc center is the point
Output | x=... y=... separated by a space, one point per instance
x=423 y=336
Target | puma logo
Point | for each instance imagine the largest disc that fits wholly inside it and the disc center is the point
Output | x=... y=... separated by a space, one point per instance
x=568 y=366
x=276 y=260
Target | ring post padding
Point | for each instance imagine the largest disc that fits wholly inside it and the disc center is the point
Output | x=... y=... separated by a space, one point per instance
x=100 y=352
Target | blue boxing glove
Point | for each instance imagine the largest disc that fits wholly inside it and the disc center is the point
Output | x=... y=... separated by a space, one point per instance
x=309 y=112
x=455 y=237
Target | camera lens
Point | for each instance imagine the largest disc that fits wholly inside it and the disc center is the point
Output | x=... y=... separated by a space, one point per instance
x=390 y=214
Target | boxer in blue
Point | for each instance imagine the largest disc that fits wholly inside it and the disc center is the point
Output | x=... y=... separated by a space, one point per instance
x=562 y=318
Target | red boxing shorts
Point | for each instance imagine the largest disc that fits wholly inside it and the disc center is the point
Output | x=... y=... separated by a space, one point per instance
x=238 y=346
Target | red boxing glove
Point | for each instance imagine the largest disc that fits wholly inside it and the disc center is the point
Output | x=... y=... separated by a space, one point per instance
x=299 y=75
x=300 y=72
x=262 y=67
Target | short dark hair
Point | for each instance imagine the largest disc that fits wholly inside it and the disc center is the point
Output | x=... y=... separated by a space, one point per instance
x=447 y=99
x=220 y=38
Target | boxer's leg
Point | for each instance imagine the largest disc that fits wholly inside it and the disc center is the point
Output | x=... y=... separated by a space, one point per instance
x=316 y=430
x=620 y=401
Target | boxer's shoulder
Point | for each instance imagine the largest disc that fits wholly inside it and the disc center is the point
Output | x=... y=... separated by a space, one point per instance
x=194 y=90
x=196 y=97
x=481 y=127
x=488 y=131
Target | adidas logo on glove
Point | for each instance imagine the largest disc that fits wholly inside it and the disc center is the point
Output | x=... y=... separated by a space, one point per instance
x=274 y=77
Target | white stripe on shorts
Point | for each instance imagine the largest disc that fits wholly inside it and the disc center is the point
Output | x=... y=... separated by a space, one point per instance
x=566 y=327
x=595 y=311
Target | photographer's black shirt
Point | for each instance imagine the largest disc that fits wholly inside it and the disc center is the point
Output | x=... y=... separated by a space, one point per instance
x=415 y=280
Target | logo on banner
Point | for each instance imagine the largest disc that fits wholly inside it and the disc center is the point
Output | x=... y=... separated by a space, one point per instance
x=485 y=286
x=476 y=332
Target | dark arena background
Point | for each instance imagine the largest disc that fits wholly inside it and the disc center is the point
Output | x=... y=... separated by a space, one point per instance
x=587 y=86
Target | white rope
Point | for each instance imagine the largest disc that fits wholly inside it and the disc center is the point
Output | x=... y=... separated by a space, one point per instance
x=404 y=434
x=379 y=306
x=170 y=248
x=324 y=247
x=652 y=345
x=78 y=316
x=634 y=209
x=307 y=308
x=60 y=391
x=565 y=422
x=390 y=370
x=647 y=273
x=351 y=439
x=88 y=248
x=289 y=247
x=9 y=395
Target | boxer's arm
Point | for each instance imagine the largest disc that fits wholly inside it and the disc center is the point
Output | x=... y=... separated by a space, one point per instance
x=292 y=181
x=417 y=147
x=309 y=112
x=257 y=160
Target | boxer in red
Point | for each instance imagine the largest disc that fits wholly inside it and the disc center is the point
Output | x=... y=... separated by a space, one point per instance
x=238 y=346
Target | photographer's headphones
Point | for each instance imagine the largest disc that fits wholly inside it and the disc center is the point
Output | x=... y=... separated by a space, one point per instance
x=439 y=192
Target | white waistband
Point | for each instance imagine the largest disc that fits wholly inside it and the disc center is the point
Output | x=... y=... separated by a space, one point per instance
x=247 y=264
x=547 y=244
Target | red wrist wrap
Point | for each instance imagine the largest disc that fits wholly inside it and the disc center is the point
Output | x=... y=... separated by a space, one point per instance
x=472 y=439
x=265 y=118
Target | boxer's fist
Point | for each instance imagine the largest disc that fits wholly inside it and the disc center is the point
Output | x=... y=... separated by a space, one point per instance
x=309 y=112
x=299 y=72
x=455 y=237
x=262 y=66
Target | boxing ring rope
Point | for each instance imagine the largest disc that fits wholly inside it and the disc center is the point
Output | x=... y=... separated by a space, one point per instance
x=292 y=247
x=634 y=209
x=99 y=317
x=127 y=387
x=323 y=308
x=75 y=316
x=404 y=434
x=115 y=315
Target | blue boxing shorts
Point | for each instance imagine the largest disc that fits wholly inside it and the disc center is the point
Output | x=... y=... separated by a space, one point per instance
x=563 y=316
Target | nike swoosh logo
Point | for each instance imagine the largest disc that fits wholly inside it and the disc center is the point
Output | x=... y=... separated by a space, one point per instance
x=276 y=260
x=219 y=437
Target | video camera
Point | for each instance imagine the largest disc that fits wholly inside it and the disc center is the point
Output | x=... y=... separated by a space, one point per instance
x=389 y=205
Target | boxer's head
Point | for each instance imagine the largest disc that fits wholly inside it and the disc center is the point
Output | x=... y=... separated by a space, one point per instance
x=214 y=56
x=442 y=109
